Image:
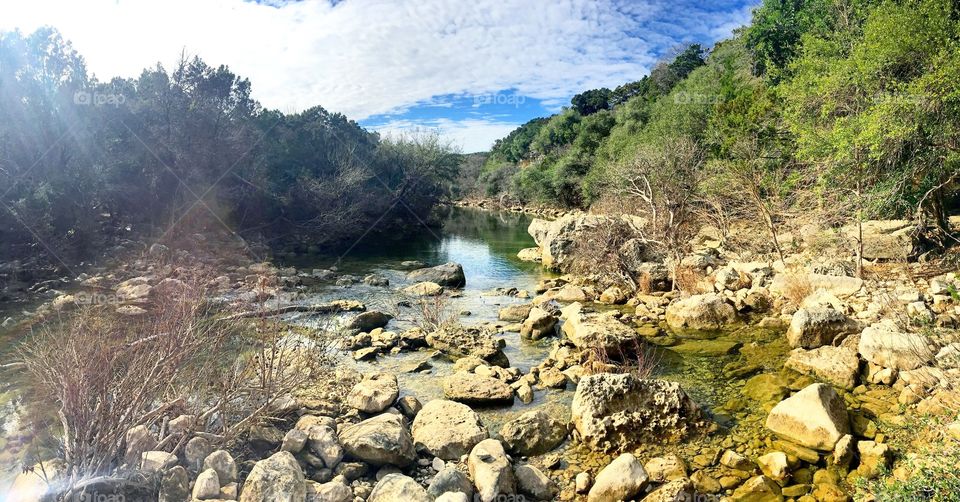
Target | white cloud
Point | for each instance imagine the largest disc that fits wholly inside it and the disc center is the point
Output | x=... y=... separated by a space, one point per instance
x=373 y=57
x=472 y=135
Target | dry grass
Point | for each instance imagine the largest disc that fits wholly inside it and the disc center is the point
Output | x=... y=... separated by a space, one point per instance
x=635 y=358
x=796 y=286
x=687 y=279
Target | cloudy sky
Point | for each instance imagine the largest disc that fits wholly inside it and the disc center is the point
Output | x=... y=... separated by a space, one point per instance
x=472 y=69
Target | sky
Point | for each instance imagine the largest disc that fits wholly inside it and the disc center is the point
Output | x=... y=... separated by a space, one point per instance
x=472 y=70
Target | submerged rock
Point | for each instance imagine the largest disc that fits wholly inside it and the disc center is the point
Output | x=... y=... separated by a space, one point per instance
x=448 y=429
x=815 y=417
x=615 y=411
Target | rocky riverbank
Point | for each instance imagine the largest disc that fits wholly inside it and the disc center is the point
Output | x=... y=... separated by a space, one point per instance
x=755 y=380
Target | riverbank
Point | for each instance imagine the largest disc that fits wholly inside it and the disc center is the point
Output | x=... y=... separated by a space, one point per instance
x=755 y=380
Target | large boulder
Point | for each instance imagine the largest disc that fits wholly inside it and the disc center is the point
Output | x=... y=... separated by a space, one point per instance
x=593 y=330
x=819 y=325
x=395 y=487
x=886 y=239
x=275 y=479
x=701 y=312
x=615 y=411
x=836 y=365
x=557 y=239
x=622 y=479
x=462 y=341
x=884 y=344
x=476 y=389
x=448 y=429
x=815 y=417
x=491 y=471
x=840 y=286
x=533 y=433
x=375 y=393
x=380 y=440
x=448 y=275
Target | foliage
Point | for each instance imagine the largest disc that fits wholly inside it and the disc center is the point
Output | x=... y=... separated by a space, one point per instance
x=592 y=101
x=168 y=152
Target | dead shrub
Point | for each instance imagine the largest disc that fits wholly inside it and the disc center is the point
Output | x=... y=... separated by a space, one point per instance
x=105 y=373
x=687 y=279
x=635 y=358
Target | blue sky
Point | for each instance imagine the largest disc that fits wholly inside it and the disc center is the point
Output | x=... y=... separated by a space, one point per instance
x=470 y=69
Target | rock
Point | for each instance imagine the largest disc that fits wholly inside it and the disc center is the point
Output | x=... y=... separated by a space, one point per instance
x=815 y=417
x=592 y=330
x=552 y=378
x=843 y=451
x=423 y=289
x=333 y=491
x=275 y=479
x=448 y=429
x=837 y=285
x=538 y=324
x=666 y=468
x=461 y=341
x=491 y=471
x=223 y=463
x=376 y=280
x=448 y=275
x=886 y=239
x=611 y=411
x=207 y=485
x=885 y=345
x=394 y=487
x=323 y=443
x=375 y=393
x=767 y=389
x=758 y=489
x=294 y=441
x=622 y=479
x=410 y=406
x=819 y=325
x=453 y=497
x=450 y=479
x=582 y=482
x=138 y=439
x=514 y=313
x=557 y=239
x=532 y=482
x=678 y=489
x=529 y=254
x=475 y=389
x=368 y=321
x=839 y=366
x=136 y=290
x=157 y=461
x=174 y=485
x=568 y=293
x=701 y=312
x=874 y=458
x=774 y=466
x=736 y=461
x=533 y=433
x=525 y=393
x=380 y=440
x=705 y=483
x=613 y=296
x=707 y=348
x=195 y=451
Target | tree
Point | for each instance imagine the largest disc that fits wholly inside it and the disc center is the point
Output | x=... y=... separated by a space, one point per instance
x=592 y=101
